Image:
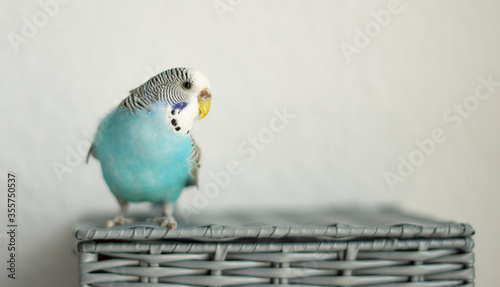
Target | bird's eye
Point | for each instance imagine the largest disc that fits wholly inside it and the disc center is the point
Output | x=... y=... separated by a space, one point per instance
x=186 y=85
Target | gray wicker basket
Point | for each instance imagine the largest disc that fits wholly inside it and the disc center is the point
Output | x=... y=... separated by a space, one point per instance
x=341 y=248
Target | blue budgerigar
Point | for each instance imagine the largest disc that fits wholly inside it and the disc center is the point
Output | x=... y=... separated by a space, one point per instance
x=145 y=145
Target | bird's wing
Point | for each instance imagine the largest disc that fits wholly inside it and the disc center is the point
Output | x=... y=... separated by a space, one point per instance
x=97 y=137
x=91 y=152
x=195 y=163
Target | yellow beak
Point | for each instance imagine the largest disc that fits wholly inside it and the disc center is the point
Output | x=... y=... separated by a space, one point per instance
x=204 y=101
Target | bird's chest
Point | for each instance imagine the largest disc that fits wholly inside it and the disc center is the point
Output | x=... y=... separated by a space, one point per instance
x=145 y=139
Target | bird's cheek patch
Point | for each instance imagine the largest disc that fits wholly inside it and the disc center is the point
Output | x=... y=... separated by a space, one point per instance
x=179 y=106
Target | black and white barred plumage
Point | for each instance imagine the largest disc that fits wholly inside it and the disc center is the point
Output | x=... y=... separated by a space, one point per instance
x=165 y=87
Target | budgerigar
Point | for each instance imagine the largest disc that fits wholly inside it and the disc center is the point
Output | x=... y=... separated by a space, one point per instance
x=145 y=145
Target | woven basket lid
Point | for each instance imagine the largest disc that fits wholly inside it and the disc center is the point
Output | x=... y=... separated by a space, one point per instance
x=324 y=224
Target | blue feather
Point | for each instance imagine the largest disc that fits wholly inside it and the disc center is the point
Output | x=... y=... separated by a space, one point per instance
x=142 y=158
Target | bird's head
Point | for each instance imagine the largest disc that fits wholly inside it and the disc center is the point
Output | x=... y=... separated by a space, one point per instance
x=186 y=93
x=191 y=87
x=177 y=87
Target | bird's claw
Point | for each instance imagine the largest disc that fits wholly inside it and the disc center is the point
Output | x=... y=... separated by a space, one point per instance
x=119 y=220
x=166 y=221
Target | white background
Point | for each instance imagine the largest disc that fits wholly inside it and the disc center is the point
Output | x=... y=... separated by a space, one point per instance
x=353 y=119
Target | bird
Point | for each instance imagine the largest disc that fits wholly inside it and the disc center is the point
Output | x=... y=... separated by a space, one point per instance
x=145 y=144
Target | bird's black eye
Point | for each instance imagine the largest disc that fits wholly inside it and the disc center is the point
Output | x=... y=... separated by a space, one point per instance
x=186 y=85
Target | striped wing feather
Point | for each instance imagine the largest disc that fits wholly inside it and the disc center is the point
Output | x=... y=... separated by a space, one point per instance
x=195 y=163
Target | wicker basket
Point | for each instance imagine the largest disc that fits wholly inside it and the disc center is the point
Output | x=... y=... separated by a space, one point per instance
x=378 y=248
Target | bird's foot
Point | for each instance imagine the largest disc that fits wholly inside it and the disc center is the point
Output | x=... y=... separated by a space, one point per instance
x=119 y=220
x=165 y=221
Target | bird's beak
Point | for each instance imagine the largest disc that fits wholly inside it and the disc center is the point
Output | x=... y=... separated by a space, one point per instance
x=204 y=100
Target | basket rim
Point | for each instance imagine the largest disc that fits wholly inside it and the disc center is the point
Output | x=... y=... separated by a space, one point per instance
x=466 y=244
x=345 y=224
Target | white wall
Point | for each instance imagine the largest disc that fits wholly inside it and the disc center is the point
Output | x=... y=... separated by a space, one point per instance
x=353 y=119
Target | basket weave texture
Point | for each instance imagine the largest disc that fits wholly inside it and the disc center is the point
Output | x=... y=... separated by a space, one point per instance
x=357 y=248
